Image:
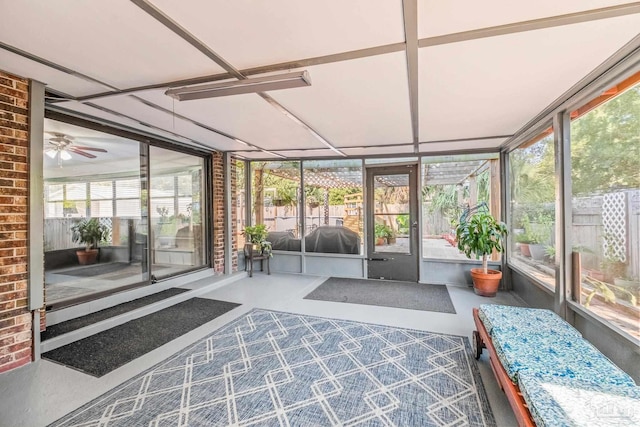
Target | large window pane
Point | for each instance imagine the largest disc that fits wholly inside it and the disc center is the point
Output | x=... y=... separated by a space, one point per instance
x=451 y=184
x=79 y=187
x=334 y=210
x=605 y=162
x=532 y=208
x=176 y=203
x=275 y=195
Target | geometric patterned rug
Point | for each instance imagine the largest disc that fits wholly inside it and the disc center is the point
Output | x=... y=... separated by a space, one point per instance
x=283 y=369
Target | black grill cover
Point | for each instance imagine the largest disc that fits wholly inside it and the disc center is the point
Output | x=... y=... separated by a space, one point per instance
x=330 y=239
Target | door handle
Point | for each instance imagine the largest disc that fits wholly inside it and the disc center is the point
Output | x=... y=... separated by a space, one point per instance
x=377 y=259
x=415 y=224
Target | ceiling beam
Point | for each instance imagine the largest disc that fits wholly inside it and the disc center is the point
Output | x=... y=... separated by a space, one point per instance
x=180 y=31
x=534 y=24
x=410 y=16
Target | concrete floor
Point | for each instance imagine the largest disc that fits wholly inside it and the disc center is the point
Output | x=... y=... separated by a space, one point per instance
x=43 y=391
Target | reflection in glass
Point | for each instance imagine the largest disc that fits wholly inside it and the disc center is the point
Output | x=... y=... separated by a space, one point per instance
x=176 y=203
x=80 y=187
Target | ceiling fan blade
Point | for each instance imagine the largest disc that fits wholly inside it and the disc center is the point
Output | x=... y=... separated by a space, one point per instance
x=82 y=153
x=101 y=150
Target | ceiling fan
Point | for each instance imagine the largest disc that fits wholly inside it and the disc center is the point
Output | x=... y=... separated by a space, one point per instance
x=62 y=145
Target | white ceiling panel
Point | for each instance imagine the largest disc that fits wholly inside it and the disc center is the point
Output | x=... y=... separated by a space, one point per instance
x=373 y=151
x=58 y=80
x=355 y=103
x=128 y=105
x=437 y=147
x=252 y=155
x=493 y=86
x=307 y=154
x=113 y=41
x=250 y=33
x=436 y=17
x=247 y=117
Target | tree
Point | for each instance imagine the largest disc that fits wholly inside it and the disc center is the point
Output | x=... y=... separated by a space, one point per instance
x=605 y=146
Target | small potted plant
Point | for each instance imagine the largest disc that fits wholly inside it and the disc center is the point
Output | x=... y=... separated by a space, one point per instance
x=382 y=232
x=256 y=236
x=479 y=236
x=89 y=232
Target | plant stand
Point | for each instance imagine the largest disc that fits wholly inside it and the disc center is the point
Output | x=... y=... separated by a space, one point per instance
x=251 y=255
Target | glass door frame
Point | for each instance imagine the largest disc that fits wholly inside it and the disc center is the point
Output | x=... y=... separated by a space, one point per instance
x=407 y=265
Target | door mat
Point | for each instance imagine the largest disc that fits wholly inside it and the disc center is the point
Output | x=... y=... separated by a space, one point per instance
x=80 y=322
x=385 y=293
x=105 y=351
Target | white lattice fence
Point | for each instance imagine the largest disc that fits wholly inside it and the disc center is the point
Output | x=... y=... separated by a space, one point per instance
x=614 y=223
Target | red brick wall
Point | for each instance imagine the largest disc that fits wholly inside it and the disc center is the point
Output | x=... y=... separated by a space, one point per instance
x=218 y=212
x=234 y=215
x=15 y=317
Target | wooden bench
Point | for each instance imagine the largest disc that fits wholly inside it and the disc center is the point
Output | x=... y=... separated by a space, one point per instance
x=533 y=351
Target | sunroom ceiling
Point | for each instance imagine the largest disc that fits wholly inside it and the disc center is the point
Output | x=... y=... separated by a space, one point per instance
x=389 y=77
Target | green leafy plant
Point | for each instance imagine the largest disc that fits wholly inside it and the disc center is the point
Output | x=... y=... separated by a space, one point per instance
x=383 y=231
x=256 y=234
x=480 y=235
x=607 y=291
x=89 y=232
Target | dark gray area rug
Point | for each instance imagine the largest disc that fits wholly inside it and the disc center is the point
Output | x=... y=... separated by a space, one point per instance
x=80 y=322
x=103 y=352
x=270 y=368
x=386 y=293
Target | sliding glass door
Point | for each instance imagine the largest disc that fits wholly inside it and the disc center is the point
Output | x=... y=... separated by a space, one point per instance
x=144 y=205
x=176 y=212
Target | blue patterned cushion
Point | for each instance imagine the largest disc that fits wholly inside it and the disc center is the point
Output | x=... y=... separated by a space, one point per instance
x=549 y=355
x=562 y=402
x=528 y=320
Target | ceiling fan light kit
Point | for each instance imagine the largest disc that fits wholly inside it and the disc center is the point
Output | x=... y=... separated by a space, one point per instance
x=238 y=87
x=63 y=145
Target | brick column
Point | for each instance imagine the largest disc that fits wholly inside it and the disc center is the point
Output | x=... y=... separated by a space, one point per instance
x=218 y=212
x=234 y=215
x=15 y=318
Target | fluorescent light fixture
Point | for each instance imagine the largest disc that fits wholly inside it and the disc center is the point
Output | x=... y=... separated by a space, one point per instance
x=237 y=87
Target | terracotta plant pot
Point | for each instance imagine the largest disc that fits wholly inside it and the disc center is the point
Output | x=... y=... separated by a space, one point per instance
x=486 y=285
x=87 y=257
x=524 y=249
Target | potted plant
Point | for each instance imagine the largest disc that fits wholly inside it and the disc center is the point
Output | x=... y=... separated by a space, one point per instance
x=382 y=232
x=256 y=236
x=479 y=236
x=89 y=232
